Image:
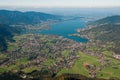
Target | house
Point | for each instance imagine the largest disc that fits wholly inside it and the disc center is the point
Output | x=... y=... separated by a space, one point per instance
x=117 y=57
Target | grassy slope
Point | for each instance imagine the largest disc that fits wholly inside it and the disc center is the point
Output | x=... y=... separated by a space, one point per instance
x=106 y=73
x=30 y=69
x=78 y=68
x=66 y=53
x=49 y=62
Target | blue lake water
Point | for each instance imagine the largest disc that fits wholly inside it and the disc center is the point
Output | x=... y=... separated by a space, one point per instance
x=67 y=27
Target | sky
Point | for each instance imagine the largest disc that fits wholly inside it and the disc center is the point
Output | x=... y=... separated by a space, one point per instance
x=60 y=3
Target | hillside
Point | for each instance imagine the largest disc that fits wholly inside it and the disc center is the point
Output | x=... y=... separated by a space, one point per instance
x=106 y=30
x=17 y=17
x=6 y=35
x=36 y=75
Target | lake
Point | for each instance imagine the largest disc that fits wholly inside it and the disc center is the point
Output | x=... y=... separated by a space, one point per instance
x=66 y=28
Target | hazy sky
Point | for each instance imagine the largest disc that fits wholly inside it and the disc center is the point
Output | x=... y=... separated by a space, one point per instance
x=60 y=3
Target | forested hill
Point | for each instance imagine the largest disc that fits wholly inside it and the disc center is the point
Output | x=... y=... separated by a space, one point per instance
x=6 y=35
x=17 y=17
x=107 y=30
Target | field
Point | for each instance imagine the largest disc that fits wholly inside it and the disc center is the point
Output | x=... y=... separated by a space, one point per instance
x=79 y=68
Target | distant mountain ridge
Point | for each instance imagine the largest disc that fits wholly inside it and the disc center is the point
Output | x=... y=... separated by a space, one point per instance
x=17 y=17
x=107 y=20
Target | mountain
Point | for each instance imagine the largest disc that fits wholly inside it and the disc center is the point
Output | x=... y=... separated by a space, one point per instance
x=17 y=17
x=107 y=20
x=6 y=34
x=106 y=30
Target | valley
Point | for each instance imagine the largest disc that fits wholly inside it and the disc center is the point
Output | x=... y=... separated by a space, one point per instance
x=37 y=52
